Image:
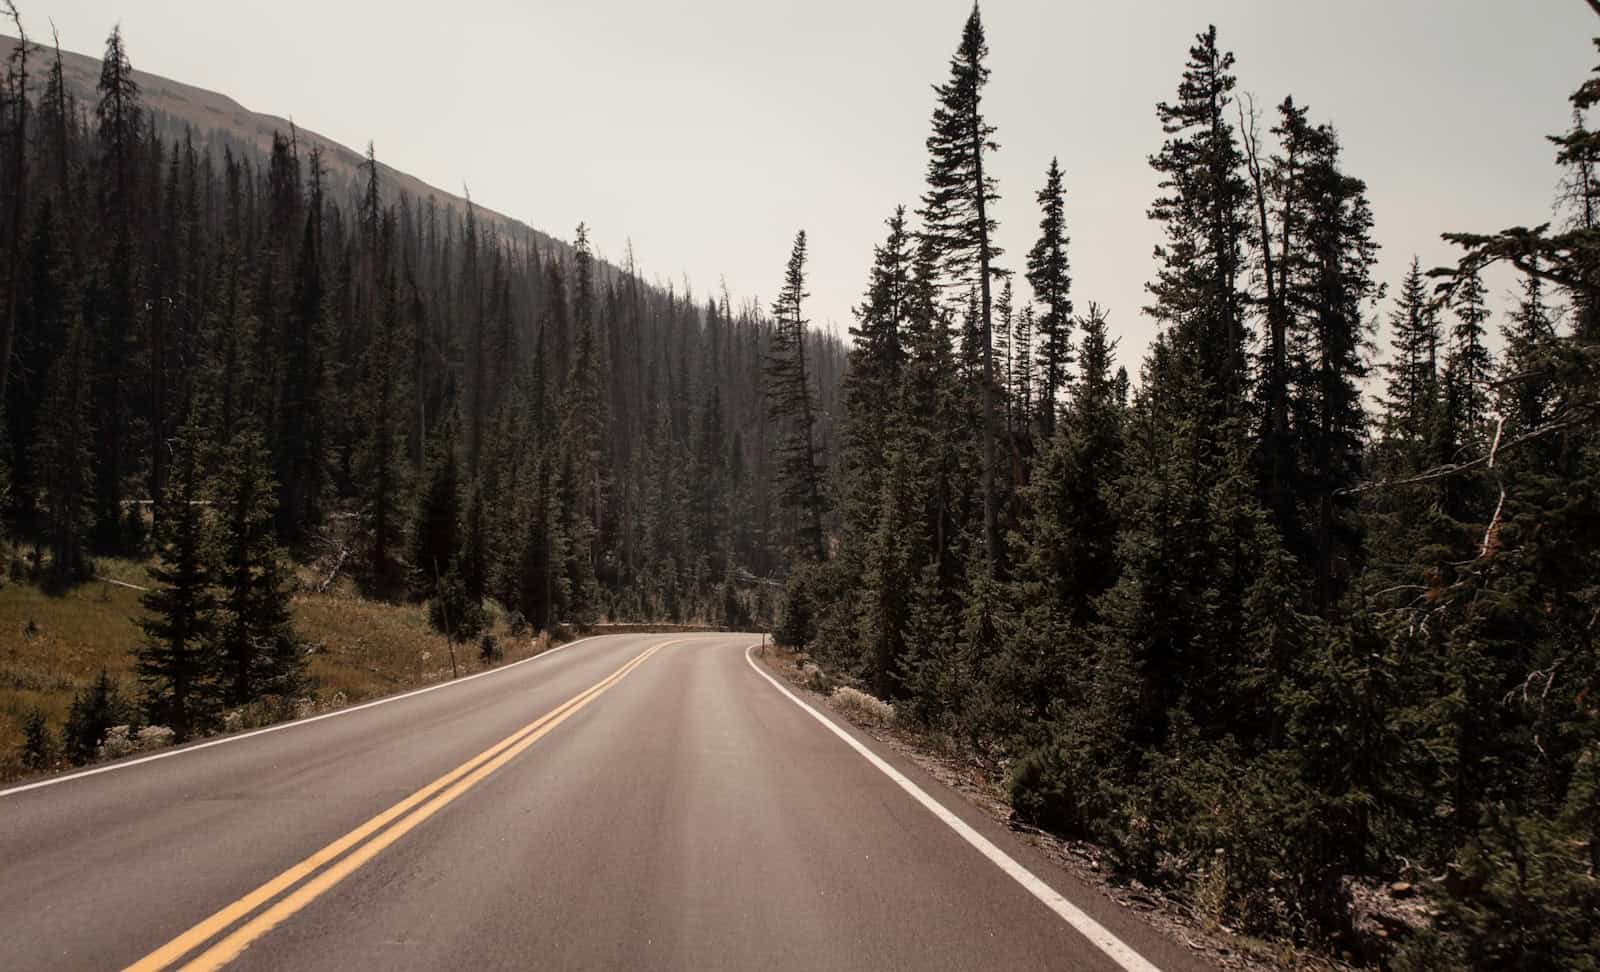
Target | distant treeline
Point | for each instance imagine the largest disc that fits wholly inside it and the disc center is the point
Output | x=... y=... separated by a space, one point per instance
x=518 y=422
x=1254 y=636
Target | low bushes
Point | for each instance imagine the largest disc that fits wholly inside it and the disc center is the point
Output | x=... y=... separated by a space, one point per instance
x=858 y=705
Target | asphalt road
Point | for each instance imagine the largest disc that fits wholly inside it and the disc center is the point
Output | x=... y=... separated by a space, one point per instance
x=631 y=801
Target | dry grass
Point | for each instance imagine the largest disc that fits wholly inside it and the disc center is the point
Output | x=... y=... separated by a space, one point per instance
x=52 y=646
x=364 y=648
x=858 y=706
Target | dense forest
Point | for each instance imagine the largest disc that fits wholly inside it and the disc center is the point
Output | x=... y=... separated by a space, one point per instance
x=1309 y=602
x=1257 y=633
x=214 y=357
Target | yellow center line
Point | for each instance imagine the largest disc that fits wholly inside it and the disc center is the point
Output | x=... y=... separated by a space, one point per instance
x=463 y=778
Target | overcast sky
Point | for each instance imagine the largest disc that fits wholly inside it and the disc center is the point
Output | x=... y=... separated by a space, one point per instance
x=708 y=132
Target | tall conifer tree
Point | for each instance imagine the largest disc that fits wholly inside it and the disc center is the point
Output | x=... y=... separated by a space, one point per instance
x=957 y=221
x=1049 y=275
x=177 y=664
x=1197 y=291
x=255 y=645
x=792 y=405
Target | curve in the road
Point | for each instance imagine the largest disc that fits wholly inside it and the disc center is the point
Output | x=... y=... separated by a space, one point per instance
x=690 y=819
x=123 y=764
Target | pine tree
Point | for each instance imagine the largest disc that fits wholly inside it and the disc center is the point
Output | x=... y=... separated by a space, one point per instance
x=95 y=710
x=1286 y=263
x=895 y=552
x=1050 y=277
x=958 y=225
x=933 y=687
x=1066 y=544
x=42 y=334
x=555 y=327
x=164 y=381
x=1412 y=390
x=1191 y=533
x=1069 y=537
x=15 y=103
x=1328 y=299
x=57 y=115
x=871 y=383
x=790 y=400
x=1196 y=292
x=541 y=584
x=177 y=664
x=583 y=433
x=38 y=744
x=1470 y=366
x=116 y=298
x=1527 y=378
x=472 y=564
x=1416 y=435
x=708 y=533
x=301 y=434
x=930 y=392
x=63 y=456
x=254 y=644
x=1022 y=373
x=477 y=365
x=436 y=524
x=381 y=455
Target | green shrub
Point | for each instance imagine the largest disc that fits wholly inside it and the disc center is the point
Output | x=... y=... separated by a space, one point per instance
x=489 y=650
x=453 y=611
x=38 y=745
x=1274 y=839
x=94 y=711
x=797 y=623
x=1050 y=789
x=1068 y=786
x=1524 y=896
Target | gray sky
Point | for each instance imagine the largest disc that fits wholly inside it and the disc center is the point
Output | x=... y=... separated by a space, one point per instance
x=708 y=132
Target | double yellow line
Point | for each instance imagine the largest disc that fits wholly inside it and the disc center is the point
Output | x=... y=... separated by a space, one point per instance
x=398 y=819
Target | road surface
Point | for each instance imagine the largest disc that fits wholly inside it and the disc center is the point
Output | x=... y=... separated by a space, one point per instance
x=629 y=801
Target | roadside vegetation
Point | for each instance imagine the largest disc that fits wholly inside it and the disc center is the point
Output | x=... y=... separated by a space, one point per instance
x=54 y=648
x=270 y=426
x=1273 y=646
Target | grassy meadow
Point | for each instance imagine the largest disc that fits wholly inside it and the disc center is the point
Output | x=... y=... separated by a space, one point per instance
x=52 y=645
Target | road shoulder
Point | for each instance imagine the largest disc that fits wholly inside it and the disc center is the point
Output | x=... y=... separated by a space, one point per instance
x=1163 y=929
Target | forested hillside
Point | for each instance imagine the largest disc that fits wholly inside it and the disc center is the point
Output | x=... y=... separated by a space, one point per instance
x=1263 y=641
x=217 y=122
x=223 y=357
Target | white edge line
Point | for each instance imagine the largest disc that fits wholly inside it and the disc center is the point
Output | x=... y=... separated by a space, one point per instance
x=1086 y=926
x=277 y=727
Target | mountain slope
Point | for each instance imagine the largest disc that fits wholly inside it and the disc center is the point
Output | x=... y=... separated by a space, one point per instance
x=217 y=119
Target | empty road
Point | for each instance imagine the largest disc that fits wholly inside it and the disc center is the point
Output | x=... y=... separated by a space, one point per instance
x=628 y=801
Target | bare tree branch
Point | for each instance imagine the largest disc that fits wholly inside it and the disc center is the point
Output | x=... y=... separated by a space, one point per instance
x=1581 y=417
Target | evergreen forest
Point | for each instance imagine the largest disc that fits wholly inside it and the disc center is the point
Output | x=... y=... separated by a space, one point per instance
x=1308 y=604
x=1300 y=599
